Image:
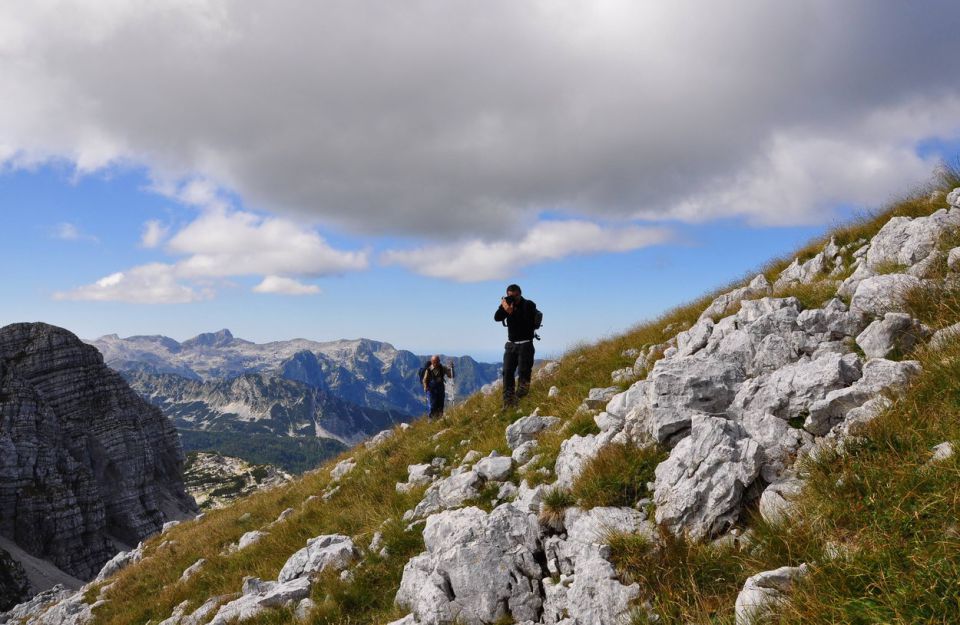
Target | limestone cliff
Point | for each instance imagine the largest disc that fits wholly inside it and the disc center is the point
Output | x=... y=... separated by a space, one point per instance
x=84 y=462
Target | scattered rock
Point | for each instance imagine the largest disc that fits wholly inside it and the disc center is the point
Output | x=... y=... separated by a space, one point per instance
x=342 y=468
x=494 y=468
x=251 y=538
x=896 y=332
x=526 y=429
x=193 y=569
x=942 y=452
x=764 y=592
x=879 y=295
x=523 y=452
x=329 y=551
x=777 y=499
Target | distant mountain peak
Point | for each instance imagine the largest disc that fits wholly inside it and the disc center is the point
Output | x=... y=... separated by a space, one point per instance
x=210 y=339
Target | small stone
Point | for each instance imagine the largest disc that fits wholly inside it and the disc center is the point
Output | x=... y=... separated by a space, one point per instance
x=942 y=451
x=304 y=609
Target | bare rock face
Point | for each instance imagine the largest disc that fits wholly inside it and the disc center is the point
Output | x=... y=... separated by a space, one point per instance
x=13 y=582
x=84 y=462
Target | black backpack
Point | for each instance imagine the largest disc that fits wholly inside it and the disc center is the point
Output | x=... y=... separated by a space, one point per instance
x=537 y=320
x=422 y=372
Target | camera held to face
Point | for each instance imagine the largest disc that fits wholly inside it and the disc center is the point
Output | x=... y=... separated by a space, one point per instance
x=511 y=299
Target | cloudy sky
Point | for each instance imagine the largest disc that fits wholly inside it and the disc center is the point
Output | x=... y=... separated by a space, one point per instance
x=376 y=168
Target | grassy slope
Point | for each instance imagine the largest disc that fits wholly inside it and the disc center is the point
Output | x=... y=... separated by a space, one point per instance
x=890 y=516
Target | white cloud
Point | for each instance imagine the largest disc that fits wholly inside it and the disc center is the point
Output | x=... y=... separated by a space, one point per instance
x=66 y=231
x=596 y=109
x=478 y=260
x=155 y=283
x=285 y=286
x=224 y=243
x=220 y=244
x=154 y=233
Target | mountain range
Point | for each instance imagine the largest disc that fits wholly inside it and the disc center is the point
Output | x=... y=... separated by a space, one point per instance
x=289 y=403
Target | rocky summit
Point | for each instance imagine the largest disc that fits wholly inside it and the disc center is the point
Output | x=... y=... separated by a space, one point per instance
x=632 y=498
x=85 y=463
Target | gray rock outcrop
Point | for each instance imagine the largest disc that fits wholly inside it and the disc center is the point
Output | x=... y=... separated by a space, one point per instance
x=700 y=487
x=477 y=568
x=84 y=461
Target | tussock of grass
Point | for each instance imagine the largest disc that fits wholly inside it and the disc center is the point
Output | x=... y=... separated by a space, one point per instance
x=555 y=504
x=934 y=305
x=617 y=476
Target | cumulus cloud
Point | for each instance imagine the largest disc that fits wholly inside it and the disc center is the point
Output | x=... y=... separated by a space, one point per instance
x=477 y=260
x=285 y=286
x=66 y=231
x=155 y=283
x=388 y=119
x=153 y=233
x=224 y=243
x=219 y=244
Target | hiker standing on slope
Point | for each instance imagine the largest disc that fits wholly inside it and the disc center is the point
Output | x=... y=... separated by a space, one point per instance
x=434 y=384
x=520 y=316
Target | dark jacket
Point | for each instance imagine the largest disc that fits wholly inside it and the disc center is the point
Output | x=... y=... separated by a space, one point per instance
x=520 y=323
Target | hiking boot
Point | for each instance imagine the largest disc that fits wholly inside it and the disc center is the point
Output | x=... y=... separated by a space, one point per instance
x=523 y=388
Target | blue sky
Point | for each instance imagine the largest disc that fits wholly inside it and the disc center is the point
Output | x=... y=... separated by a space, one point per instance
x=584 y=297
x=333 y=170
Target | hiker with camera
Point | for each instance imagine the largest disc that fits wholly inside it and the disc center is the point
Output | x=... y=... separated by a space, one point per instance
x=522 y=319
x=434 y=384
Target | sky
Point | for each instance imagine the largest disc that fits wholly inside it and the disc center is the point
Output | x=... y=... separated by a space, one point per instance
x=328 y=169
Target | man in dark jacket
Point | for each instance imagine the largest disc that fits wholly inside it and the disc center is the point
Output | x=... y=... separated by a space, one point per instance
x=518 y=314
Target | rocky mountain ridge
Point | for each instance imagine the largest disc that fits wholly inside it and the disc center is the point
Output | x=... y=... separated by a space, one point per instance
x=368 y=373
x=257 y=402
x=781 y=370
x=85 y=464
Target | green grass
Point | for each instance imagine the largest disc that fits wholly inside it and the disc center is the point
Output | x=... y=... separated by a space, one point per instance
x=617 y=476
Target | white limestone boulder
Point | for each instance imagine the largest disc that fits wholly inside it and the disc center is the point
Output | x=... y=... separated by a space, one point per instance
x=904 y=241
x=575 y=453
x=597 y=398
x=879 y=295
x=334 y=551
x=477 y=568
x=776 y=501
x=527 y=428
x=258 y=596
x=691 y=341
x=764 y=592
x=878 y=375
x=119 y=562
x=699 y=489
x=494 y=468
x=724 y=304
x=448 y=493
x=342 y=468
x=589 y=590
x=789 y=391
x=896 y=332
